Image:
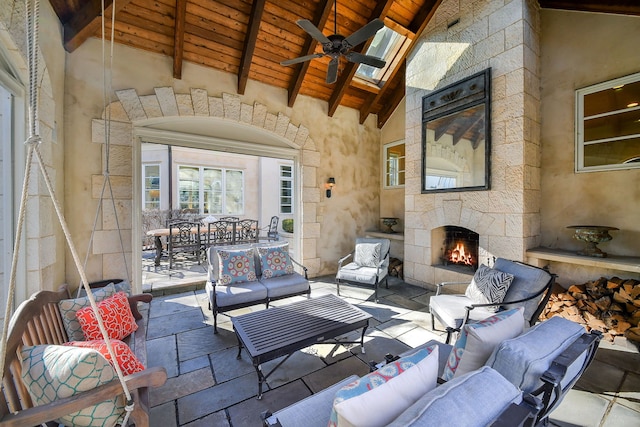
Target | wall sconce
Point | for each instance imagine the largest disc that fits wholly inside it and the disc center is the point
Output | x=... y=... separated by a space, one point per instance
x=331 y=182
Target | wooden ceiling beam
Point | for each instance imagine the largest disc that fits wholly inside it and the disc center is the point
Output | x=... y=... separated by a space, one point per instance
x=319 y=20
x=381 y=10
x=86 y=22
x=178 y=43
x=257 y=9
x=622 y=7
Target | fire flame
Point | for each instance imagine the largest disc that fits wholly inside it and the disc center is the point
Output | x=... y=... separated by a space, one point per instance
x=460 y=256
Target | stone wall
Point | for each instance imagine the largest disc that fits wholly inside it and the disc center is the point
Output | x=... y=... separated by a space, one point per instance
x=503 y=36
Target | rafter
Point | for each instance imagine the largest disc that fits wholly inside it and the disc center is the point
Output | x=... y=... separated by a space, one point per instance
x=319 y=20
x=380 y=11
x=391 y=104
x=86 y=22
x=623 y=7
x=178 y=44
x=257 y=8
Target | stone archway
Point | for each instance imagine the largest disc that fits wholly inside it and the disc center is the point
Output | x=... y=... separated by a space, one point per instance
x=165 y=103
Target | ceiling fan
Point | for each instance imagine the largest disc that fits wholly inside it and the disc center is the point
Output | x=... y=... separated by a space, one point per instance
x=336 y=45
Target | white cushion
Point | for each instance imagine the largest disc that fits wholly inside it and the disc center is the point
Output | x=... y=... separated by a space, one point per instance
x=378 y=402
x=478 y=340
x=367 y=254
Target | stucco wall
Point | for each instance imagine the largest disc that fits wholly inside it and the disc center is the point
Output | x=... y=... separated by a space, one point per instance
x=594 y=48
x=392 y=199
x=343 y=148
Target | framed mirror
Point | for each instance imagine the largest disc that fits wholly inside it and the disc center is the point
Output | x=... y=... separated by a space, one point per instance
x=456 y=136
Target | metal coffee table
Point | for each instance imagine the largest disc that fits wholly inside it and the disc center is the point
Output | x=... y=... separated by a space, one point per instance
x=281 y=331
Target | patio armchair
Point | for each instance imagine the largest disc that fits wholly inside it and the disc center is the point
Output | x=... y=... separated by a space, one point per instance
x=219 y=233
x=529 y=288
x=184 y=238
x=370 y=264
x=272 y=229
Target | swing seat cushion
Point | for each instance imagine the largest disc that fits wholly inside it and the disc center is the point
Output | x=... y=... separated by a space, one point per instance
x=53 y=372
x=69 y=308
x=128 y=362
x=116 y=315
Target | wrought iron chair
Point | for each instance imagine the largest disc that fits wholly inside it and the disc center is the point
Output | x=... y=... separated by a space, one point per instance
x=530 y=288
x=184 y=238
x=219 y=233
x=247 y=231
x=229 y=218
x=370 y=264
x=272 y=230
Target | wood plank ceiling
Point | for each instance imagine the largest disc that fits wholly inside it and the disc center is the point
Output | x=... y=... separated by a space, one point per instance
x=250 y=39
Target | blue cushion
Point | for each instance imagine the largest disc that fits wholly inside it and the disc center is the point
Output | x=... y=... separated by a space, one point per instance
x=285 y=285
x=274 y=261
x=522 y=360
x=472 y=400
x=236 y=265
x=527 y=281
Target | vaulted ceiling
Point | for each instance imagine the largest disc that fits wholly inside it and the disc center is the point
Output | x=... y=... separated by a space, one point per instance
x=250 y=38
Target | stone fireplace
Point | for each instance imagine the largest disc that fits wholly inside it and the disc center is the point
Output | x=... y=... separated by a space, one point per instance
x=506 y=216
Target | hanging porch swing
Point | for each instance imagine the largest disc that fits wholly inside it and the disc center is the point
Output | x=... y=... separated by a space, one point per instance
x=88 y=390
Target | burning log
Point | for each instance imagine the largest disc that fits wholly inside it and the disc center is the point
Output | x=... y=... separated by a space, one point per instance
x=611 y=306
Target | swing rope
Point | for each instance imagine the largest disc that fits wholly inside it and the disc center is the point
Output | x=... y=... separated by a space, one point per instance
x=33 y=143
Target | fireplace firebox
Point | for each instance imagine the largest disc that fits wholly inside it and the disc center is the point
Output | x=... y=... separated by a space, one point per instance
x=460 y=248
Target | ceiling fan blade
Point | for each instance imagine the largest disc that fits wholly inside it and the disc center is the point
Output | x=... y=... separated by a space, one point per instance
x=359 y=58
x=313 y=31
x=364 y=33
x=332 y=71
x=302 y=59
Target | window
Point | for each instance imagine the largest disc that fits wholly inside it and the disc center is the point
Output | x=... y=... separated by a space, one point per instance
x=386 y=45
x=608 y=125
x=211 y=190
x=151 y=191
x=394 y=164
x=286 y=189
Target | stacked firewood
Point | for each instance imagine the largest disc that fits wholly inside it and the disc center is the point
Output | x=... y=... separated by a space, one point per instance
x=611 y=306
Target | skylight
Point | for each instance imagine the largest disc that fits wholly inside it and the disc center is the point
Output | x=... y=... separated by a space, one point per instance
x=385 y=45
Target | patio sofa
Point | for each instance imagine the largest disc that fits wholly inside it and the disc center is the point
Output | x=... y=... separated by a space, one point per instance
x=523 y=379
x=257 y=273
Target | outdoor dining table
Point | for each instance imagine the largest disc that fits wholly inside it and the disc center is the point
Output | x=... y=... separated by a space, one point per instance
x=159 y=233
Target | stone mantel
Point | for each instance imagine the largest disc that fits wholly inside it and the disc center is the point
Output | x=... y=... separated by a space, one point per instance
x=537 y=256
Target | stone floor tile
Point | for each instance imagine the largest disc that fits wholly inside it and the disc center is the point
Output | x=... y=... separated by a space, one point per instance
x=424 y=298
x=217 y=419
x=377 y=345
x=194 y=364
x=210 y=400
x=163 y=306
x=629 y=395
x=396 y=327
x=420 y=318
x=401 y=288
x=330 y=375
x=601 y=378
x=301 y=363
x=247 y=413
x=381 y=312
x=226 y=366
x=163 y=352
x=175 y=323
x=163 y=415
x=419 y=336
x=404 y=302
x=202 y=341
x=330 y=353
x=580 y=408
x=621 y=416
x=624 y=359
x=181 y=386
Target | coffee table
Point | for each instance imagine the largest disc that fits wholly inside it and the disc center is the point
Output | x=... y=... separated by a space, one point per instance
x=281 y=331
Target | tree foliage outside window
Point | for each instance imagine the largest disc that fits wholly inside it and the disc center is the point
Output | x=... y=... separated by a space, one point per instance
x=211 y=190
x=151 y=190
